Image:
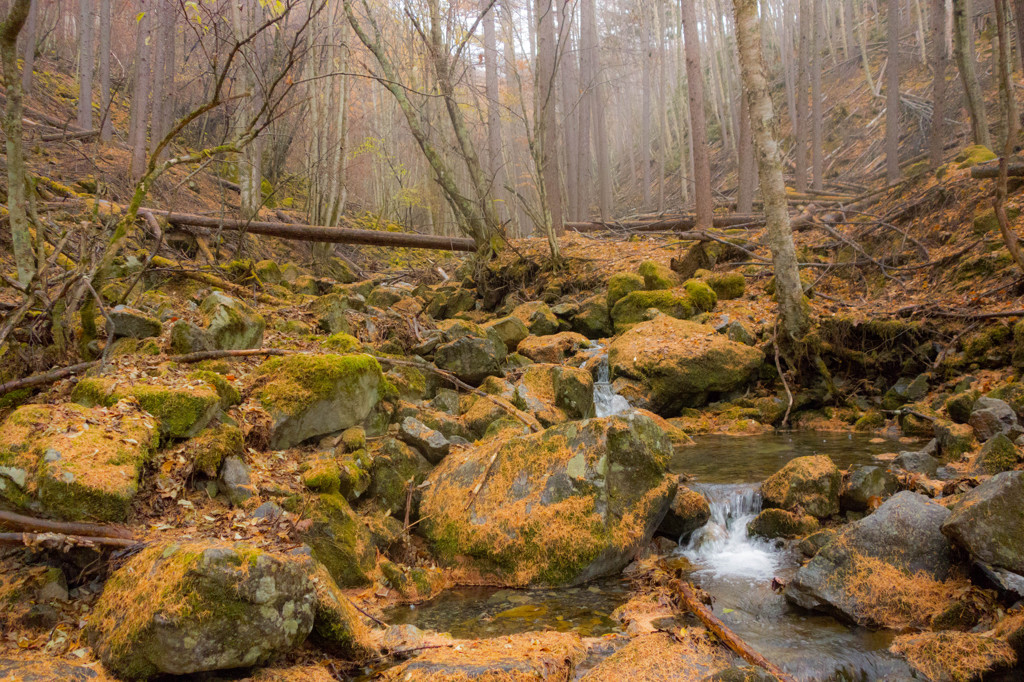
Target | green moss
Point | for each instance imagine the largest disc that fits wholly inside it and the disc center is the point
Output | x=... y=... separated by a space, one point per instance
x=959 y=406
x=1018 y=345
x=728 y=286
x=974 y=155
x=297 y=381
x=212 y=446
x=354 y=439
x=343 y=343
x=229 y=395
x=633 y=307
x=655 y=276
x=323 y=476
x=701 y=295
x=182 y=411
x=870 y=421
x=268 y=272
x=340 y=541
x=621 y=285
x=999 y=454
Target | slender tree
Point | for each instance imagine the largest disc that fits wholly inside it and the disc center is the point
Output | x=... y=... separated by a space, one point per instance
x=1012 y=122
x=139 y=113
x=793 y=317
x=495 y=160
x=698 y=126
x=892 y=96
x=28 y=50
x=802 y=82
x=817 y=137
x=940 y=62
x=86 y=55
x=963 y=50
x=21 y=238
x=546 y=131
x=106 y=127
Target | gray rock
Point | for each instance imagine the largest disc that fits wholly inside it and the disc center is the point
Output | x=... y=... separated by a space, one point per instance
x=231 y=324
x=234 y=606
x=44 y=671
x=917 y=463
x=904 y=531
x=134 y=324
x=235 y=480
x=470 y=358
x=268 y=510
x=447 y=401
x=989 y=522
x=593 y=319
x=432 y=444
x=867 y=484
x=991 y=417
x=511 y=330
x=393 y=467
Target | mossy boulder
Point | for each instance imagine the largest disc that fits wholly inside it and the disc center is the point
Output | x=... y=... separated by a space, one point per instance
x=313 y=395
x=134 y=324
x=231 y=324
x=656 y=276
x=339 y=540
x=559 y=507
x=702 y=296
x=779 y=523
x=510 y=329
x=338 y=627
x=621 y=285
x=555 y=394
x=688 y=512
x=268 y=272
x=395 y=464
x=330 y=312
x=537 y=317
x=960 y=406
x=682 y=363
x=954 y=439
x=229 y=395
x=727 y=286
x=75 y=462
x=472 y=358
x=989 y=522
x=593 y=319
x=867 y=487
x=554 y=348
x=192 y=608
x=998 y=454
x=811 y=483
x=183 y=410
x=635 y=307
x=974 y=155
x=211 y=447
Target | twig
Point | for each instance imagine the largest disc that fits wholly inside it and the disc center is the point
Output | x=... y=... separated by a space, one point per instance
x=28 y=523
x=63 y=539
x=202 y=355
x=782 y=375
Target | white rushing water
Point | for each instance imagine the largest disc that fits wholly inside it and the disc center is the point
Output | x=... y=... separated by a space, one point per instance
x=723 y=547
x=606 y=401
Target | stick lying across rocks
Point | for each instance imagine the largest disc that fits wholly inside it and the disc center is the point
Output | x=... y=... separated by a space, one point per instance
x=29 y=523
x=60 y=540
x=738 y=646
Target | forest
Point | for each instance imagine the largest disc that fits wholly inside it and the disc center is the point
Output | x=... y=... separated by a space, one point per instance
x=512 y=340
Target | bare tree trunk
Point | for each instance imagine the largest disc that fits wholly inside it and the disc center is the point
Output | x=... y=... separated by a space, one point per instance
x=892 y=96
x=86 y=56
x=803 y=72
x=1018 y=19
x=698 y=126
x=663 y=144
x=546 y=131
x=495 y=163
x=569 y=120
x=250 y=175
x=963 y=49
x=817 y=138
x=1003 y=52
x=28 y=52
x=139 y=114
x=596 y=91
x=24 y=258
x=849 y=21
x=645 y=113
x=940 y=60
x=1012 y=125
x=747 y=162
x=106 y=127
x=792 y=315
x=163 y=72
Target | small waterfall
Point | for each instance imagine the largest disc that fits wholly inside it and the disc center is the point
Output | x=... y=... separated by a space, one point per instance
x=722 y=546
x=606 y=401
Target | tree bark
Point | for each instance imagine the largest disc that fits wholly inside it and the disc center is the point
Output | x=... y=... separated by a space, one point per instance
x=803 y=73
x=1012 y=123
x=698 y=125
x=892 y=96
x=24 y=258
x=940 y=60
x=963 y=49
x=139 y=114
x=793 y=317
x=28 y=38
x=495 y=162
x=817 y=137
x=106 y=127
x=86 y=55
x=1018 y=19
x=645 y=112
x=596 y=93
x=546 y=130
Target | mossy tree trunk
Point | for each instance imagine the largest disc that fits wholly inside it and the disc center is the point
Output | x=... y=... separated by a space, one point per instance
x=963 y=48
x=1009 y=102
x=793 y=317
x=21 y=237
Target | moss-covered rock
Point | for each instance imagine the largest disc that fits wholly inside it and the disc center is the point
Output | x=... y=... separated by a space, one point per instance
x=998 y=454
x=702 y=296
x=229 y=395
x=191 y=608
x=634 y=307
x=779 y=523
x=470 y=358
x=555 y=394
x=339 y=540
x=681 y=363
x=727 y=286
x=559 y=507
x=330 y=312
x=593 y=318
x=537 y=317
x=621 y=285
x=182 y=410
x=213 y=446
x=269 y=272
x=395 y=464
x=74 y=462
x=313 y=395
x=338 y=627
x=510 y=329
x=974 y=155
x=811 y=483
x=960 y=406
x=689 y=511
x=872 y=420
x=954 y=439
x=232 y=324
x=554 y=348
x=134 y=324
x=656 y=276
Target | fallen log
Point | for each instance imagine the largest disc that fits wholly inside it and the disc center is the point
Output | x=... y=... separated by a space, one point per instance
x=990 y=170
x=720 y=630
x=61 y=540
x=28 y=523
x=319 y=233
x=666 y=225
x=76 y=135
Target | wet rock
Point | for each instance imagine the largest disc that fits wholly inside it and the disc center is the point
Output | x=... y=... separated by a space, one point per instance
x=538 y=318
x=339 y=540
x=779 y=523
x=471 y=359
x=560 y=507
x=810 y=483
x=235 y=480
x=313 y=395
x=134 y=324
x=868 y=487
x=991 y=417
x=998 y=454
x=660 y=657
x=539 y=656
x=432 y=444
x=917 y=463
x=989 y=522
x=904 y=533
x=511 y=330
x=182 y=411
x=191 y=608
x=813 y=543
x=682 y=363
x=552 y=349
x=74 y=462
x=689 y=511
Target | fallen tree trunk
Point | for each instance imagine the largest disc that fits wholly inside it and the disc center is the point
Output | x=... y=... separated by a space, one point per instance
x=990 y=170
x=61 y=540
x=78 y=135
x=319 y=233
x=666 y=225
x=28 y=523
x=720 y=630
